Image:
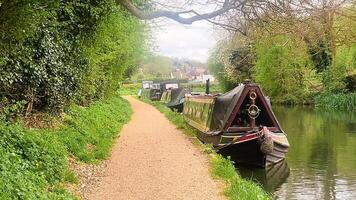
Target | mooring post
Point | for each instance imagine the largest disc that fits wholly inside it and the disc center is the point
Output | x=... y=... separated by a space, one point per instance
x=207 y=85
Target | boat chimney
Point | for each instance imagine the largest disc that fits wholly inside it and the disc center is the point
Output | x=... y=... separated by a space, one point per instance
x=207 y=86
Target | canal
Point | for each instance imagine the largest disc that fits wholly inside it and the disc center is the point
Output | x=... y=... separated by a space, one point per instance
x=321 y=161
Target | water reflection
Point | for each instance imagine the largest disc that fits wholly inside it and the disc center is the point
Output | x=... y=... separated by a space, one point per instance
x=270 y=178
x=321 y=159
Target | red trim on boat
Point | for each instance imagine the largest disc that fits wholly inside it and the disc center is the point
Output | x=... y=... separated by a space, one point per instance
x=248 y=137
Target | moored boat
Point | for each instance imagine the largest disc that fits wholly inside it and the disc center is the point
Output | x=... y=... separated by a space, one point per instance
x=240 y=124
x=174 y=98
x=152 y=92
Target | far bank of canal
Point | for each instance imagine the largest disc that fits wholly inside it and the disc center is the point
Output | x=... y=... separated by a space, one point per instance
x=321 y=162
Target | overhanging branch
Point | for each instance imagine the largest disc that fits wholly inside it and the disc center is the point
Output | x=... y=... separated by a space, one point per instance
x=175 y=15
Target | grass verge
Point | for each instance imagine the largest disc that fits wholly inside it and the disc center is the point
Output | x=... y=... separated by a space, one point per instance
x=221 y=168
x=130 y=89
x=34 y=162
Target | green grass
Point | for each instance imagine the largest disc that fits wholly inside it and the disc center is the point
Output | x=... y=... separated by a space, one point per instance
x=89 y=133
x=130 y=89
x=34 y=162
x=345 y=102
x=238 y=188
x=221 y=168
x=214 y=88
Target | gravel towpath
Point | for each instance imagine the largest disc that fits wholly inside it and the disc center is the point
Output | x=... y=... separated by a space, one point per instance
x=153 y=160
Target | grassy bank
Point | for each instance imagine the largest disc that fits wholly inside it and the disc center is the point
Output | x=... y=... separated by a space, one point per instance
x=130 y=89
x=346 y=102
x=34 y=162
x=222 y=168
x=214 y=88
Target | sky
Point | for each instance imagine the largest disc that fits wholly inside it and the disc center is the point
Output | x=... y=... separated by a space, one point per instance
x=193 y=42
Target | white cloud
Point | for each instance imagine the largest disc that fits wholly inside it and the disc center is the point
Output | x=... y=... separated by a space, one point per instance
x=184 y=41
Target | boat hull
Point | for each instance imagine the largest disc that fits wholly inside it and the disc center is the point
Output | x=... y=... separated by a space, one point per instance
x=177 y=107
x=250 y=153
x=246 y=148
x=151 y=94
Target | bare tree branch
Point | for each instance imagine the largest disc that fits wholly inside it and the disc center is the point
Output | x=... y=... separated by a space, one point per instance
x=175 y=15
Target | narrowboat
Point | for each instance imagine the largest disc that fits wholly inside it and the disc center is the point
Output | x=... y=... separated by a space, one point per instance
x=174 y=98
x=152 y=93
x=239 y=123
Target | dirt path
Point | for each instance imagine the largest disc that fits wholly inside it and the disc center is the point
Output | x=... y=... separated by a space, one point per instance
x=153 y=160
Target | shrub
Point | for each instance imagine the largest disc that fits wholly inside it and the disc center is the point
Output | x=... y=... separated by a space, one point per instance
x=55 y=53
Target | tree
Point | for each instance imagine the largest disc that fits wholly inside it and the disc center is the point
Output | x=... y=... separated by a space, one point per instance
x=280 y=68
x=156 y=66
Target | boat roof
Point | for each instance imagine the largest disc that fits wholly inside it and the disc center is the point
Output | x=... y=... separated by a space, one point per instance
x=227 y=106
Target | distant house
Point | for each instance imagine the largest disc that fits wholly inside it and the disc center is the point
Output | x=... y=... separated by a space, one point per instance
x=193 y=71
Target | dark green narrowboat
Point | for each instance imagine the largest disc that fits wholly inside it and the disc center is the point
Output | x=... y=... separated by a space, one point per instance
x=153 y=92
x=239 y=123
x=174 y=98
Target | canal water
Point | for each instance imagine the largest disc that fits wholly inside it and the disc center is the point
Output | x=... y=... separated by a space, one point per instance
x=321 y=161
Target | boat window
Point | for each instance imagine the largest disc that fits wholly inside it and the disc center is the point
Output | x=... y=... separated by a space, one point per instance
x=242 y=118
x=263 y=119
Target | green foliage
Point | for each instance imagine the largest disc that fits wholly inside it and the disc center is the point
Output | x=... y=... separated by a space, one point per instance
x=321 y=56
x=218 y=69
x=339 y=101
x=155 y=67
x=33 y=162
x=10 y=110
x=59 y=52
x=298 y=56
x=243 y=59
x=281 y=64
x=344 y=64
x=238 y=188
x=88 y=133
x=129 y=89
x=350 y=83
x=113 y=53
x=214 y=88
x=245 y=189
x=223 y=168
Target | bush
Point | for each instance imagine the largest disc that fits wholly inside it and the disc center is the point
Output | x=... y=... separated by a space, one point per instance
x=54 y=54
x=335 y=78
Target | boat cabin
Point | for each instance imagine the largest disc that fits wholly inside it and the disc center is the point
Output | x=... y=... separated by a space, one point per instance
x=245 y=108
